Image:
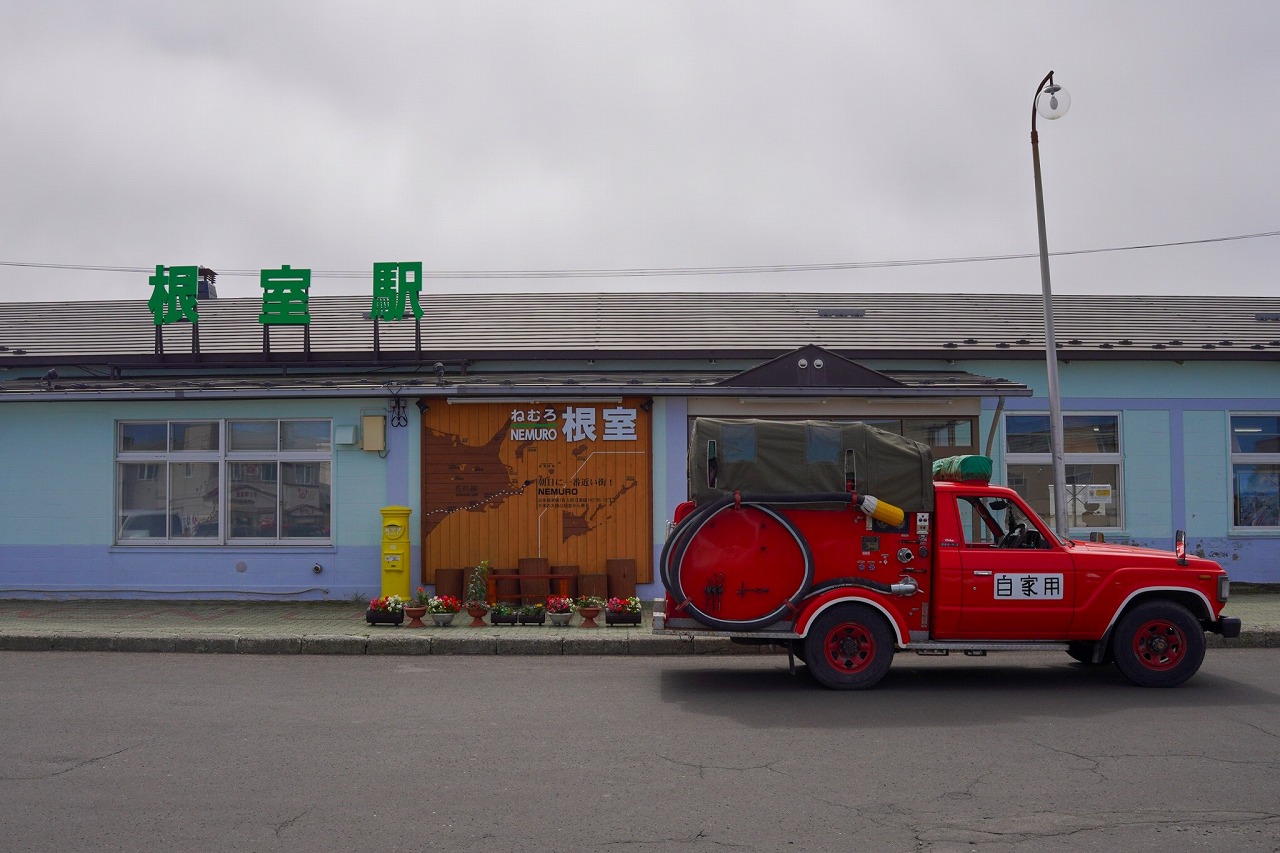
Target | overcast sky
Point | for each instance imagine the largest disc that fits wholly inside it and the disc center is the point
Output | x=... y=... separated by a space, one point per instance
x=593 y=135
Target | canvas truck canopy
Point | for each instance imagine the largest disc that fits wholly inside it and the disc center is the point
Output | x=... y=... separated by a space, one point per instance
x=806 y=457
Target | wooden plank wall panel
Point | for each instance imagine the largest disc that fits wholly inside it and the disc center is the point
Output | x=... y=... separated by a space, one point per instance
x=500 y=482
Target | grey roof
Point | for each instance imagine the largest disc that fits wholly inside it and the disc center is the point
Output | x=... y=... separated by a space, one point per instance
x=548 y=384
x=655 y=325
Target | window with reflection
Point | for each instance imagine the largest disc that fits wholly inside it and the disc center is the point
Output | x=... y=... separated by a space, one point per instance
x=215 y=481
x=1091 y=451
x=1255 y=471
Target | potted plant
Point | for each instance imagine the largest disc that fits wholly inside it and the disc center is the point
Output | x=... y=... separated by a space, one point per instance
x=589 y=607
x=477 y=602
x=502 y=613
x=416 y=607
x=622 y=611
x=386 y=610
x=443 y=609
x=560 y=609
x=533 y=614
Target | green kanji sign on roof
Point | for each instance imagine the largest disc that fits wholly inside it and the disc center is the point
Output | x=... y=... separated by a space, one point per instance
x=173 y=294
x=393 y=285
x=284 y=297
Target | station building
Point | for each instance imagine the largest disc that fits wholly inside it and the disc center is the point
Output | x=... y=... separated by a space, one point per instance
x=237 y=457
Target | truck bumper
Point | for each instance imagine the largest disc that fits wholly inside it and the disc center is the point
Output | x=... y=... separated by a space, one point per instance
x=1227 y=626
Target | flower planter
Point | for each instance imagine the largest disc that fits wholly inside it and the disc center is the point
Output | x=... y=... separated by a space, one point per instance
x=527 y=619
x=611 y=618
x=383 y=617
x=415 y=615
x=589 y=615
x=505 y=619
x=477 y=616
x=560 y=619
x=443 y=620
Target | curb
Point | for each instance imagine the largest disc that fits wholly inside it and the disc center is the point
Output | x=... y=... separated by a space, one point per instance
x=1258 y=639
x=644 y=645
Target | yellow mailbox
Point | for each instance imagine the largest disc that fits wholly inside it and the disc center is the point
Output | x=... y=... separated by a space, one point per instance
x=395 y=550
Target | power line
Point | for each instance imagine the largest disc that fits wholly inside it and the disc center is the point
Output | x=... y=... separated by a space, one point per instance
x=673 y=271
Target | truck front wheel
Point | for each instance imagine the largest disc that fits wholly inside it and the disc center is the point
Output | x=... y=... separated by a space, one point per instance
x=1158 y=644
x=849 y=647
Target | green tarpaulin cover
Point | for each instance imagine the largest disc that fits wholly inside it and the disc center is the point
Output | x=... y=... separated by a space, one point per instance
x=755 y=456
x=957 y=469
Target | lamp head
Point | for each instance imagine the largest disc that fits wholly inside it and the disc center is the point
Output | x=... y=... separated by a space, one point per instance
x=1053 y=102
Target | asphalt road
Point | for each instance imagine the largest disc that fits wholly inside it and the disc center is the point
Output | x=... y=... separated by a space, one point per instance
x=258 y=753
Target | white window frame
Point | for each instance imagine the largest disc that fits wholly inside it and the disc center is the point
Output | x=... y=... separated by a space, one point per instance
x=224 y=459
x=1235 y=458
x=1046 y=459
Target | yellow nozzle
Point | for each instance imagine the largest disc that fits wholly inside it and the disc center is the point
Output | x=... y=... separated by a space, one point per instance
x=881 y=511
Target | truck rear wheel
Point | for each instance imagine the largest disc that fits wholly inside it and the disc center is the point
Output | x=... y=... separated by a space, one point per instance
x=849 y=647
x=1158 y=644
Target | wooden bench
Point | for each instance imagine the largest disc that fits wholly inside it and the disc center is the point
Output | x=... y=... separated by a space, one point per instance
x=559 y=583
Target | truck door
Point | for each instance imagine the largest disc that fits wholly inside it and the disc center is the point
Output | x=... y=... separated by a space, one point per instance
x=1017 y=581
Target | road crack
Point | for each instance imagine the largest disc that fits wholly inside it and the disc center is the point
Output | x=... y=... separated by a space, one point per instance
x=85 y=763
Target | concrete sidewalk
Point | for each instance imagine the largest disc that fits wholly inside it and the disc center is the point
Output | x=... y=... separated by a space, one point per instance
x=340 y=628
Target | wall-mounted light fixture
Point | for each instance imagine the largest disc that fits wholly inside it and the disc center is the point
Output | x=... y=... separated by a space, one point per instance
x=422 y=407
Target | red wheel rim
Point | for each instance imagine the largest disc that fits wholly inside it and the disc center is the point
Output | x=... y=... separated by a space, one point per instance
x=850 y=647
x=1159 y=645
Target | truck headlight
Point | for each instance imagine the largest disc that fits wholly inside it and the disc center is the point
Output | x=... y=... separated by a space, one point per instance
x=1224 y=588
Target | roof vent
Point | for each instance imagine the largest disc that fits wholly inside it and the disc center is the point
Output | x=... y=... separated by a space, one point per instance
x=841 y=313
x=1267 y=318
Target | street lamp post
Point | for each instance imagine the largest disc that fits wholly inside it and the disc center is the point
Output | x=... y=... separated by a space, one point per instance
x=1052 y=102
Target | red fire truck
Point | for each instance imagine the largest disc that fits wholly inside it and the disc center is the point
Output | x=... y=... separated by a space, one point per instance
x=845 y=544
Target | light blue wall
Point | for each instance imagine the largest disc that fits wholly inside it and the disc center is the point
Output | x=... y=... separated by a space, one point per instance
x=1206 y=473
x=1175 y=445
x=670 y=480
x=1148 y=479
x=57 y=465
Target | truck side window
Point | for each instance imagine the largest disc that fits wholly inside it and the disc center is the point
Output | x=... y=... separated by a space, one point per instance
x=997 y=523
x=981 y=522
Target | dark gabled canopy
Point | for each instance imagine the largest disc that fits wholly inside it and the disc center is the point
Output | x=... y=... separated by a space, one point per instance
x=810 y=367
